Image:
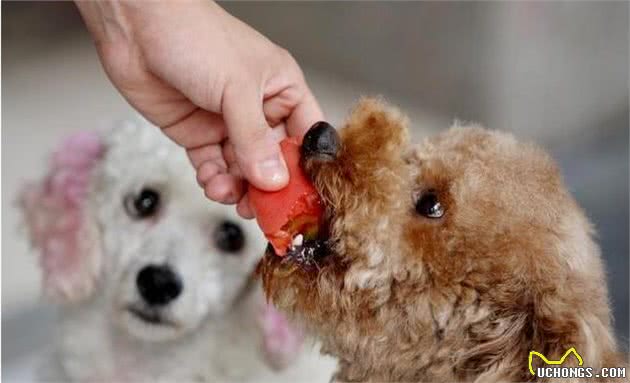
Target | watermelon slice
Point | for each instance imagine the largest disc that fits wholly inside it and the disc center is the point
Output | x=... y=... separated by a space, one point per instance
x=292 y=214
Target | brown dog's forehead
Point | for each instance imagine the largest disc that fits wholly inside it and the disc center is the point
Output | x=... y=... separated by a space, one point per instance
x=490 y=178
x=463 y=148
x=499 y=197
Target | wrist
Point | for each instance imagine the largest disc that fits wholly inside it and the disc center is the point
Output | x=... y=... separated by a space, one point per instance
x=106 y=20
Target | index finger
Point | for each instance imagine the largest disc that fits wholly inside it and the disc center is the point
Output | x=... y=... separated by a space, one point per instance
x=305 y=114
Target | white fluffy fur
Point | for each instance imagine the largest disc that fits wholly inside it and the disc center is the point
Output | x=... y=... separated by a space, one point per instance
x=216 y=334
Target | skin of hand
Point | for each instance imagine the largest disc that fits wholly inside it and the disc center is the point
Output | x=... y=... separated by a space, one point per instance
x=214 y=85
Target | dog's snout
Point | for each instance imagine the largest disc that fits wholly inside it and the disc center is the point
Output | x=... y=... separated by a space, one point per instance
x=158 y=284
x=321 y=142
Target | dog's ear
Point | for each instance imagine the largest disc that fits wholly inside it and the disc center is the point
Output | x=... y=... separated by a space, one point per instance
x=59 y=224
x=281 y=341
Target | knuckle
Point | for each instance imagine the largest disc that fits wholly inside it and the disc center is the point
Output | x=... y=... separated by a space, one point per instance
x=288 y=63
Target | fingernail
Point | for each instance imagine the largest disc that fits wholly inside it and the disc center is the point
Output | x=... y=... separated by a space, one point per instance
x=273 y=170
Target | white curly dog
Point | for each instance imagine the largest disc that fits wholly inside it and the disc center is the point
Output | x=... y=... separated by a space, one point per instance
x=153 y=281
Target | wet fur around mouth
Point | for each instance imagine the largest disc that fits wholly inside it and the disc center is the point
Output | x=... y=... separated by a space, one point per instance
x=511 y=267
x=308 y=260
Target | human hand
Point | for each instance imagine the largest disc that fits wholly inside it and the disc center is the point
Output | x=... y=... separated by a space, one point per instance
x=214 y=85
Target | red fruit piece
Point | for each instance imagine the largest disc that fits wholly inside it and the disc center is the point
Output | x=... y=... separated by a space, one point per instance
x=296 y=209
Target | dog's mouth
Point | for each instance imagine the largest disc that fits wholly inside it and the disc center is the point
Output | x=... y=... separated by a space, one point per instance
x=150 y=316
x=308 y=254
x=310 y=247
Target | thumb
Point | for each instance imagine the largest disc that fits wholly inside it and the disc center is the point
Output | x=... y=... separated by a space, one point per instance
x=257 y=152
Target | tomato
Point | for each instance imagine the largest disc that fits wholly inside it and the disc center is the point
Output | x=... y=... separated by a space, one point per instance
x=295 y=209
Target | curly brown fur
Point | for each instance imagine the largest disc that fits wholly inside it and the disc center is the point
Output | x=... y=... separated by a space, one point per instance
x=511 y=266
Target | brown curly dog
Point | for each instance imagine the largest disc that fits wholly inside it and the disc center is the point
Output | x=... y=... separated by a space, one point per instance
x=448 y=261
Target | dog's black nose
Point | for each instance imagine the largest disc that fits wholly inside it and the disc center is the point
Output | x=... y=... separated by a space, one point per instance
x=158 y=284
x=321 y=141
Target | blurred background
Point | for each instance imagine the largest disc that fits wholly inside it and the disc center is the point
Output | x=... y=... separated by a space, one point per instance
x=553 y=72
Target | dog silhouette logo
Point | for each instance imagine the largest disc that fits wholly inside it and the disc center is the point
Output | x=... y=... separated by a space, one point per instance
x=558 y=362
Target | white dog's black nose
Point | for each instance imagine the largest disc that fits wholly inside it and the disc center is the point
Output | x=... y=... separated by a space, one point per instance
x=158 y=284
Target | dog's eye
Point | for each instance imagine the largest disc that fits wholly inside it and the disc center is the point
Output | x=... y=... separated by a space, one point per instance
x=143 y=205
x=229 y=237
x=428 y=205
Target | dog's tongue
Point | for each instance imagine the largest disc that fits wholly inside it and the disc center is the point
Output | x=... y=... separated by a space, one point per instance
x=290 y=215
